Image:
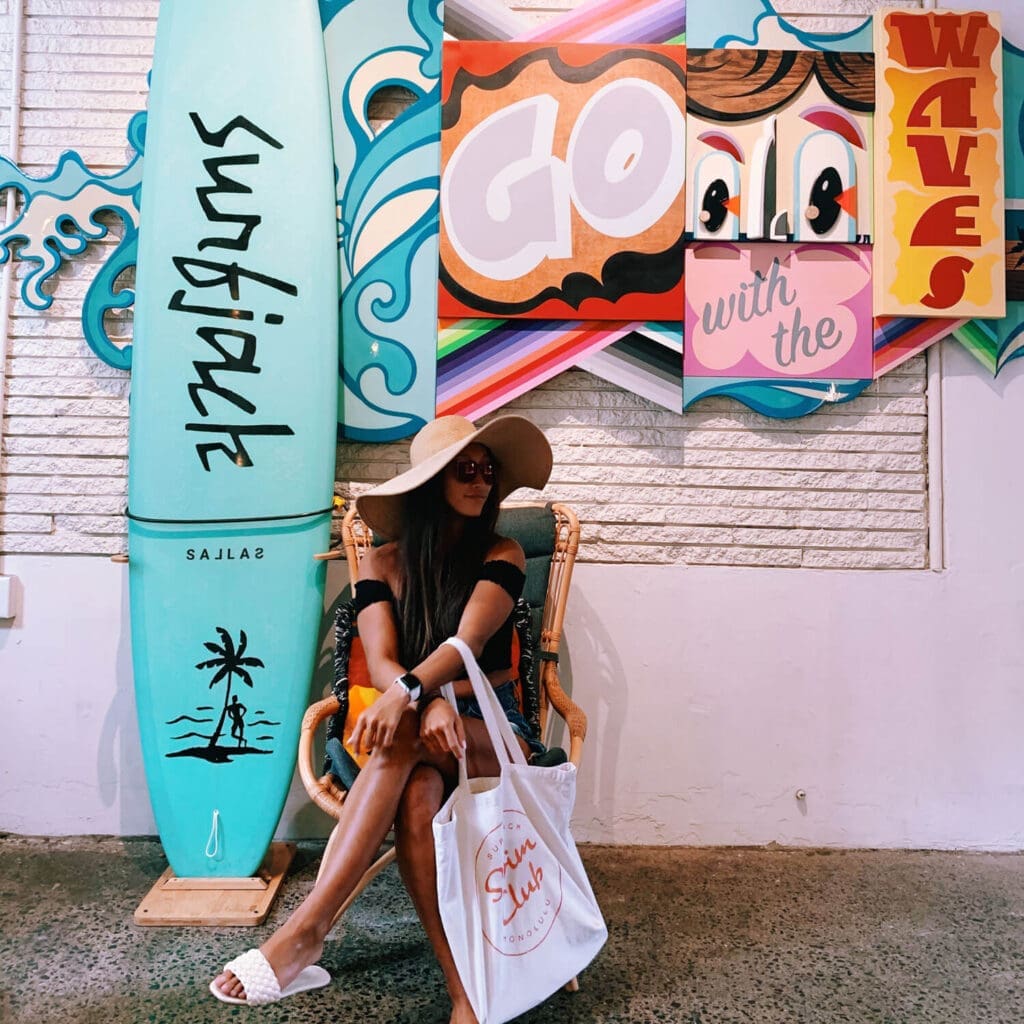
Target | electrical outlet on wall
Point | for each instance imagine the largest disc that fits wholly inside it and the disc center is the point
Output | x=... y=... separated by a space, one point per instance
x=8 y=597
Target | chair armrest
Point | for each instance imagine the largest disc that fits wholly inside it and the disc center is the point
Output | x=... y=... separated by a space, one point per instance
x=322 y=789
x=575 y=717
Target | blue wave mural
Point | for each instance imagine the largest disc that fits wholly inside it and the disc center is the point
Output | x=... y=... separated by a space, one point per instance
x=59 y=221
x=756 y=24
x=779 y=399
x=388 y=187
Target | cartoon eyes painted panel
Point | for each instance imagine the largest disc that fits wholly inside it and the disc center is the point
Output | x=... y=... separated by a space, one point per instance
x=715 y=193
x=825 y=188
x=563 y=176
x=777 y=145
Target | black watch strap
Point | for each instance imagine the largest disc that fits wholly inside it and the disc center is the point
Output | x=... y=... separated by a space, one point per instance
x=428 y=697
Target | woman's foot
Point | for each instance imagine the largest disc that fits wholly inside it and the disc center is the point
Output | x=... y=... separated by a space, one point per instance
x=288 y=951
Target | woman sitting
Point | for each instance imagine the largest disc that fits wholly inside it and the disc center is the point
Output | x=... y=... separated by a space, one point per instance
x=444 y=572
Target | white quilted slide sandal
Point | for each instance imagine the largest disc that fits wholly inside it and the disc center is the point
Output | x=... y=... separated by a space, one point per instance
x=260 y=982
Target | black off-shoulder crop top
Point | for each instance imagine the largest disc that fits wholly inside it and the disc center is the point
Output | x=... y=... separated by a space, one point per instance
x=497 y=652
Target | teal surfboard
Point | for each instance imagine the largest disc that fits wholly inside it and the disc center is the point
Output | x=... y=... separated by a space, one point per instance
x=233 y=418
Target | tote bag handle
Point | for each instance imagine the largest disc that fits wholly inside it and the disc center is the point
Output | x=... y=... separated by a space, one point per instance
x=506 y=745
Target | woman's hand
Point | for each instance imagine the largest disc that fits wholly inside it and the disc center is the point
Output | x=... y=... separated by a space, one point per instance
x=441 y=729
x=377 y=725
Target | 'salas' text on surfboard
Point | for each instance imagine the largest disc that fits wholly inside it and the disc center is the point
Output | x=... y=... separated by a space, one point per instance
x=236 y=349
x=222 y=554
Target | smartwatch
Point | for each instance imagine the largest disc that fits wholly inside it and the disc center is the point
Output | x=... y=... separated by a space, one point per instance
x=412 y=686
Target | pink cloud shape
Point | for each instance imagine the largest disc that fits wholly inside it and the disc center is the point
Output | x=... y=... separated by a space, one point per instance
x=776 y=310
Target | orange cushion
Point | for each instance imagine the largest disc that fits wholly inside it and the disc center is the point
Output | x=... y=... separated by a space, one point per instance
x=361 y=694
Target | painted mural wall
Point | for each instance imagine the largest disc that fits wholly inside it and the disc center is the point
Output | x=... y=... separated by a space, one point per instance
x=489 y=361
x=558 y=197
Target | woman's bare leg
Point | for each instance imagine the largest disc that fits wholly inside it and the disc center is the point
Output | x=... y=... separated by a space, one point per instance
x=414 y=843
x=367 y=814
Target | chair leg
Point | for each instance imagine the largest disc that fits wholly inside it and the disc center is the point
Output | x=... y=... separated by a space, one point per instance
x=573 y=986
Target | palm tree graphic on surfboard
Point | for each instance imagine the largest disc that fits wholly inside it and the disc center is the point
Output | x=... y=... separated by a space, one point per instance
x=230 y=662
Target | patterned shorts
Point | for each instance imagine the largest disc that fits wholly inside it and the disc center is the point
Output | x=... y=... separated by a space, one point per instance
x=506 y=694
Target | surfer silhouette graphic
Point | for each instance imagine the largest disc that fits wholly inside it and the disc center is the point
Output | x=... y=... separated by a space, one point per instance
x=236 y=712
x=230 y=665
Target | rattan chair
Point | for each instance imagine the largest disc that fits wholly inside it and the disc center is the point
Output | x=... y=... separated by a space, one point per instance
x=549 y=534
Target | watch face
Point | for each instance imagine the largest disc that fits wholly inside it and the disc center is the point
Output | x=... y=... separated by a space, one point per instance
x=412 y=685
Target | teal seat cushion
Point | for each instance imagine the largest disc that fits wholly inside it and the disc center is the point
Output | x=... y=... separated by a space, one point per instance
x=534 y=529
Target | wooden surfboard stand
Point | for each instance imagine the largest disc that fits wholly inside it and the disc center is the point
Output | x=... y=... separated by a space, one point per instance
x=217 y=902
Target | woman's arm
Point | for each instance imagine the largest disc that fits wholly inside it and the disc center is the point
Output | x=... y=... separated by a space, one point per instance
x=489 y=605
x=378 y=629
x=378 y=632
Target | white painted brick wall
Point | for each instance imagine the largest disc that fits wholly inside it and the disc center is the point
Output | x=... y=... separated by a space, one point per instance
x=719 y=485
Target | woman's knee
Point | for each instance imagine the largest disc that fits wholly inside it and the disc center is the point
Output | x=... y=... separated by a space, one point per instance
x=480 y=756
x=405 y=745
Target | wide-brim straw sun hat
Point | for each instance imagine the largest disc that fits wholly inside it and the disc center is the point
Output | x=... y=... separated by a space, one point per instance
x=518 y=446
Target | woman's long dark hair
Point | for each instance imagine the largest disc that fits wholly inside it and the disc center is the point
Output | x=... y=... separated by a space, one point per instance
x=437 y=580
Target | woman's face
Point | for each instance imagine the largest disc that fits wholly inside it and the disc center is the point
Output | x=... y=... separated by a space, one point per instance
x=465 y=489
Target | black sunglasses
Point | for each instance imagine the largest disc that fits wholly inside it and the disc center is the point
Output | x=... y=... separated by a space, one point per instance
x=466 y=471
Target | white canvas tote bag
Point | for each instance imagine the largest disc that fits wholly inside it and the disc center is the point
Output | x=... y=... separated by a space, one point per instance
x=517 y=908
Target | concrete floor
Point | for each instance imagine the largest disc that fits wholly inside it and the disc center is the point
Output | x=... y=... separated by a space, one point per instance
x=696 y=937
